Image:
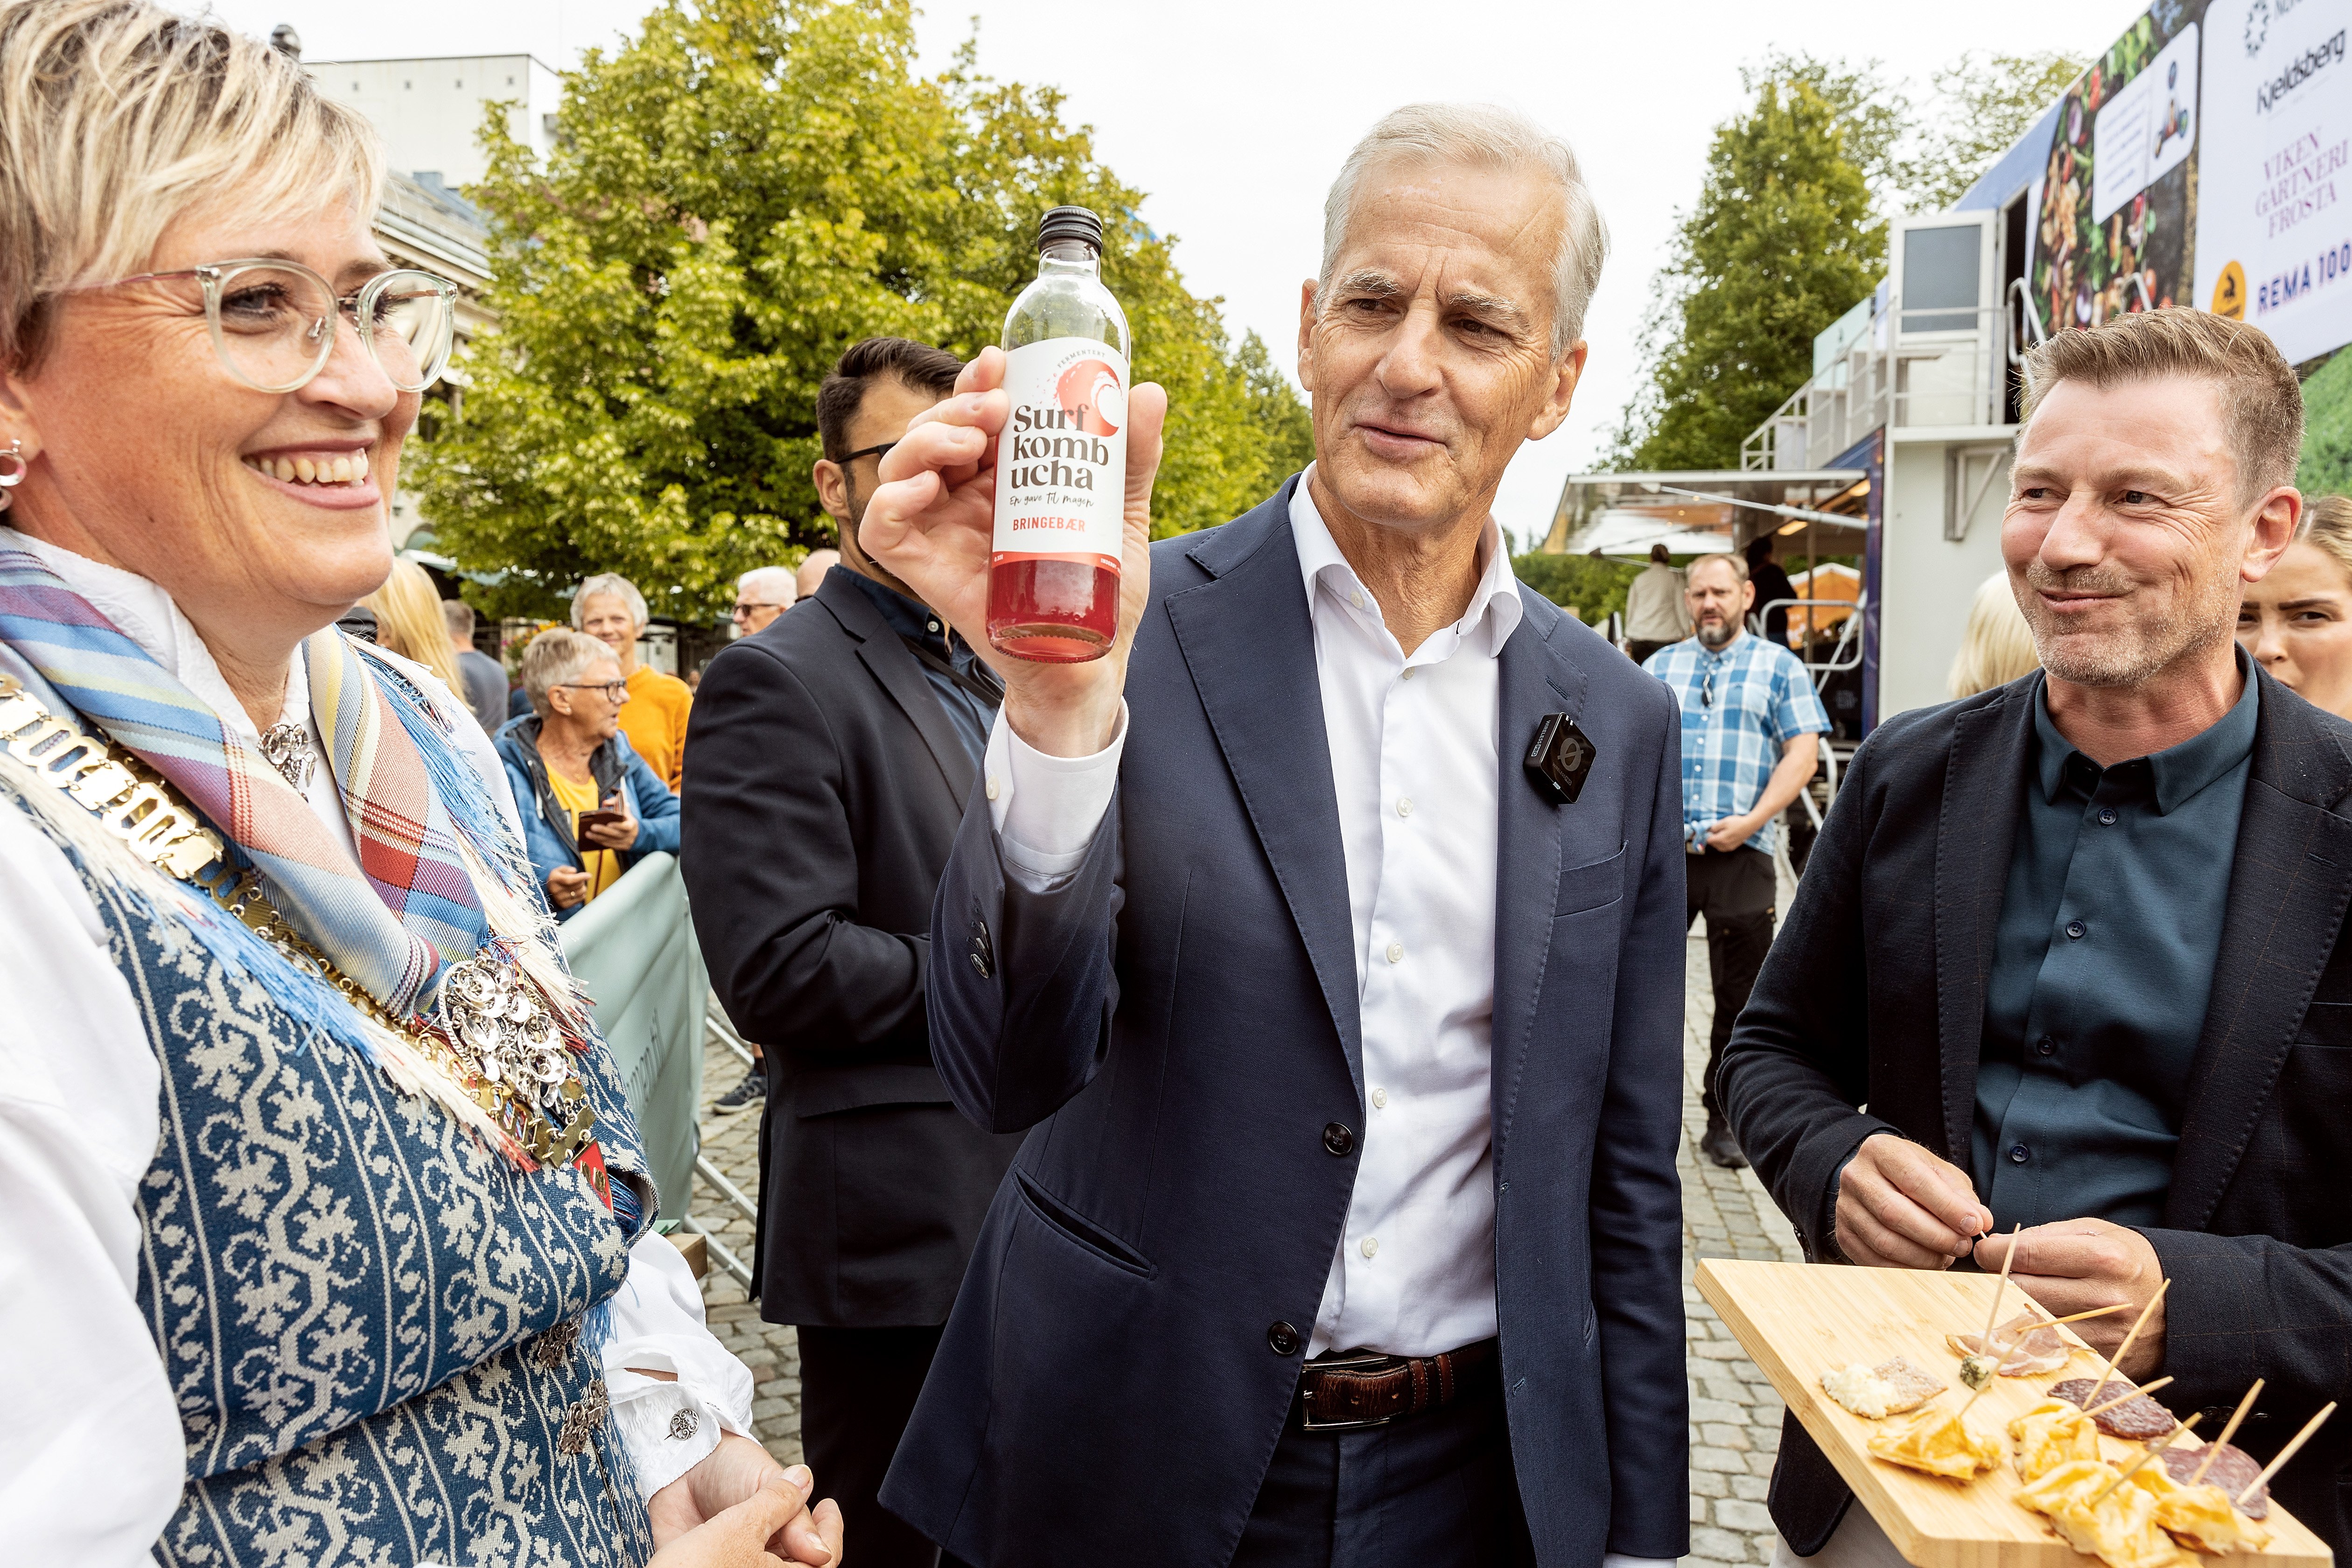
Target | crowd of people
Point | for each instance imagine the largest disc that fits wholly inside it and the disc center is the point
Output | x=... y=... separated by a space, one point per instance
x=1221 y=1101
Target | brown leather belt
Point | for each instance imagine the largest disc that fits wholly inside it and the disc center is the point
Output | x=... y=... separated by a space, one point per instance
x=1348 y=1392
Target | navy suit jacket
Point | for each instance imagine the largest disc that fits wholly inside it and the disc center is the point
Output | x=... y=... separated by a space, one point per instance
x=1177 y=1024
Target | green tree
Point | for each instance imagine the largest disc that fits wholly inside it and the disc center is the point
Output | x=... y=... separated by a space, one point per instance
x=1594 y=585
x=1783 y=240
x=739 y=193
x=1982 y=105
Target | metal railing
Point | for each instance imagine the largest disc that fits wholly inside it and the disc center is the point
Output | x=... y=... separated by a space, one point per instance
x=1910 y=369
x=1844 y=654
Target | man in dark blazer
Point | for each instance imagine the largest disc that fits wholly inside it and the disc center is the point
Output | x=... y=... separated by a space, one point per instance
x=828 y=766
x=2070 y=953
x=1347 y=1230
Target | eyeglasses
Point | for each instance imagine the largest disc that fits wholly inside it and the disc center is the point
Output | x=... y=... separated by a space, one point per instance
x=877 y=453
x=744 y=612
x=273 y=323
x=614 y=690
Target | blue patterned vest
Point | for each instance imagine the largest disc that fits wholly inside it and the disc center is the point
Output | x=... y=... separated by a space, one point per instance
x=374 y=1326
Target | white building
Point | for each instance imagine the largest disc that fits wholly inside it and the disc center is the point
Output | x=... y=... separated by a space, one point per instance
x=430 y=111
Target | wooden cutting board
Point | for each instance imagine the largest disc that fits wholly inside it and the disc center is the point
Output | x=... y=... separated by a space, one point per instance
x=1796 y=1321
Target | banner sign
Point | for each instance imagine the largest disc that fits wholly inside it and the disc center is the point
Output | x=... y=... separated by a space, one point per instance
x=2273 y=238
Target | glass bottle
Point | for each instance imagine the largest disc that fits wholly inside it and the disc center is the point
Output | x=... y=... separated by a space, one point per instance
x=1061 y=462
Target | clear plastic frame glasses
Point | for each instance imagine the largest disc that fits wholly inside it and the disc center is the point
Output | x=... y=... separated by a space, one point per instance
x=273 y=321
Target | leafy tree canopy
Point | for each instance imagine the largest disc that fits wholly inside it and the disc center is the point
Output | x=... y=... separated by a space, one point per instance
x=738 y=195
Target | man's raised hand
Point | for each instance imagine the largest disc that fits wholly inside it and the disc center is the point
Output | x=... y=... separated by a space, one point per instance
x=931 y=523
x=1899 y=1206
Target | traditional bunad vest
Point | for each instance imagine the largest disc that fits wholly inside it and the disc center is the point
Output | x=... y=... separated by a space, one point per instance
x=373 y=1253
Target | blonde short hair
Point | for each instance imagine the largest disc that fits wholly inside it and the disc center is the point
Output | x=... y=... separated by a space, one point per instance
x=2327 y=525
x=610 y=584
x=118 y=118
x=557 y=656
x=1998 y=646
x=2262 y=403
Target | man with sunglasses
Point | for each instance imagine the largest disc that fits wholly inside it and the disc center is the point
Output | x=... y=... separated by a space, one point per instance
x=1750 y=727
x=831 y=754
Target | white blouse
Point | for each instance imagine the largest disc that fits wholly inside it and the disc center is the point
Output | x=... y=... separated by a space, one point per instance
x=91 y=1453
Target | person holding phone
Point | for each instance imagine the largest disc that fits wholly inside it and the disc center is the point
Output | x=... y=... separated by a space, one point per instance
x=595 y=806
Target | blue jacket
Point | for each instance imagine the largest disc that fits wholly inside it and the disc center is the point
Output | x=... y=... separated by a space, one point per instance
x=547 y=826
x=1177 y=1025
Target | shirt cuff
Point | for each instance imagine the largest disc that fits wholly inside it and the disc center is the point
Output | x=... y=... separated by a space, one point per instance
x=667 y=1428
x=1619 y=1560
x=1045 y=809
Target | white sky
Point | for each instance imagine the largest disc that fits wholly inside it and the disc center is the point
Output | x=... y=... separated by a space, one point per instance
x=1233 y=114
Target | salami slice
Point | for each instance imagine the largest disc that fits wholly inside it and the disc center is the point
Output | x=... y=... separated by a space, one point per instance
x=2233 y=1472
x=2135 y=1420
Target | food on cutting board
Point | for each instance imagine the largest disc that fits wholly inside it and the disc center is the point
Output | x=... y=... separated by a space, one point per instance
x=2198 y=1515
x=2025 y=1346
x=2116 y=1524
x=2233 y=1470
x=1939 y=1442
x=2133 y=1420
x=2052 y=1433
x=1890 y=1388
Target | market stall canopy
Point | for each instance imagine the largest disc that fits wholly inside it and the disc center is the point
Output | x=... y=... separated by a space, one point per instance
x=1693 y=513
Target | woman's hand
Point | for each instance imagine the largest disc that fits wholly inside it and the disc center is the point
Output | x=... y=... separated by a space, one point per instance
x=933 y=522
x=621 y=835
x=745 y=1534
x=567 y=886
x=737 y=1472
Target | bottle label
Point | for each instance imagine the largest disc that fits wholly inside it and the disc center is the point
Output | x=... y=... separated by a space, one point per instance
x=1061 y=463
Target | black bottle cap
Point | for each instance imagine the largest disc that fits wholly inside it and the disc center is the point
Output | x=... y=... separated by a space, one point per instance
x=1070 y=223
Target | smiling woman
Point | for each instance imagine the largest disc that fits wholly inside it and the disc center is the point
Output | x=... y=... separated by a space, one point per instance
x=308 y=1139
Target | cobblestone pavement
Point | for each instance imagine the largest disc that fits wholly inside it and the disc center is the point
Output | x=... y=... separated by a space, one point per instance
x=1735 y=1415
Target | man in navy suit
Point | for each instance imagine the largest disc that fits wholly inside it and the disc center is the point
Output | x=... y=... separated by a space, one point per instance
x=1347 y=1231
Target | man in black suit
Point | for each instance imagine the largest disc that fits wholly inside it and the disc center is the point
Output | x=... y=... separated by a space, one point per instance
x=2077 y=942
x=828 y=766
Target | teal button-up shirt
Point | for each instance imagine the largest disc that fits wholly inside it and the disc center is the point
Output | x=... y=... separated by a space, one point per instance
x=2103 y=965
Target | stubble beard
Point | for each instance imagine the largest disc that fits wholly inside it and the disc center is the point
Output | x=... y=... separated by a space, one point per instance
x=2154 y=639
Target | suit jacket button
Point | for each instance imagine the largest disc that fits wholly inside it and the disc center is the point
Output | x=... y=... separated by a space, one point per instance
x=1338 y=1140
x=980 y=963
x=1282 y=1339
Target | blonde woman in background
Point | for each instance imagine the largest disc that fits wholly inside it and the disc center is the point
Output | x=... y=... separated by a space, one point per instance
x=1998 y=647
x=408 y=621
x=2297 y=621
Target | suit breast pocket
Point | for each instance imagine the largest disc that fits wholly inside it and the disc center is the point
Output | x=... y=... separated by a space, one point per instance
x=2327 y=1024
x=1591 y=886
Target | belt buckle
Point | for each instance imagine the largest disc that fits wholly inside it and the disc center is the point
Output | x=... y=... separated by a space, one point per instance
x=1367 y=1362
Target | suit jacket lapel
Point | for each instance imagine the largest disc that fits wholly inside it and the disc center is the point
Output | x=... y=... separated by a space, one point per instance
x=1534 y=839
x=1983 y=779
x=1248 y=641
x=2289 y=886
x=901 y=675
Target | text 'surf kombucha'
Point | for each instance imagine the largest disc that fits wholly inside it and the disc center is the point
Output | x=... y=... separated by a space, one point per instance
x=1061 y=463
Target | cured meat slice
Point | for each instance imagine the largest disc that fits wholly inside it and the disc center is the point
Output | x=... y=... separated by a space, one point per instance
x=2135 y=1420
x=2028 y=1346
x=2233 y=1472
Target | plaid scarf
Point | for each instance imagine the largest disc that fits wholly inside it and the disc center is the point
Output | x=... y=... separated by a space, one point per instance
x=390 y=921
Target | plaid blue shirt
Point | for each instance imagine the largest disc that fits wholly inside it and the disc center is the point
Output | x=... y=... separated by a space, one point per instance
x=1740 y=708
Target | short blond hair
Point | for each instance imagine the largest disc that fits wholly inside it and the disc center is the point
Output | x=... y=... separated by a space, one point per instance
x=557 y=656
x=1998 y=646
x=2262 y=402
x=2327 y=525
x=118 y=118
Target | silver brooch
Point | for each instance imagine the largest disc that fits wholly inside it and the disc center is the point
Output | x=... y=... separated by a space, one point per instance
x=582 y=1421
x=508 y=1035
x=287 y=747
x=684 y=1424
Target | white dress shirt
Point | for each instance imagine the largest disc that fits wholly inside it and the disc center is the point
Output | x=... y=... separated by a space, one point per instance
x=92 y=1455
x=1412 y=746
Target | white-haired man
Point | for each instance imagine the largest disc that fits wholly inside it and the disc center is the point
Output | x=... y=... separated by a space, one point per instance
x=761 y=596
x=1362 y=1245
x=609 y=608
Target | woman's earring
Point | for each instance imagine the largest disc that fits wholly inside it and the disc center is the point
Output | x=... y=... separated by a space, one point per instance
x=18 y=466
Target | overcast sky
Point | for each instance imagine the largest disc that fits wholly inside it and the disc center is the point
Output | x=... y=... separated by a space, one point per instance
x=1233 y=114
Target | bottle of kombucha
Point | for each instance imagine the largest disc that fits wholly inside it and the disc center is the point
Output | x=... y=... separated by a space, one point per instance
x=1061 y=463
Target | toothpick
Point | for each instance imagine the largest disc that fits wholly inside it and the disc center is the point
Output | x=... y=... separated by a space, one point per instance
x=2094 y=1312
x=2007 y=1258
x=2169 y=1438
x=2116 y=1364
x=2213 y=1450
x=2089 y=1409
x=2285 y=1454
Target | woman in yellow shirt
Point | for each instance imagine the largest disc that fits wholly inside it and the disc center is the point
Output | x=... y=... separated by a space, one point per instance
x=609 y=608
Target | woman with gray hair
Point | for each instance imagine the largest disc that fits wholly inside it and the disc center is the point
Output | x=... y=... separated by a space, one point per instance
x=328 y=1231
x=609 y=608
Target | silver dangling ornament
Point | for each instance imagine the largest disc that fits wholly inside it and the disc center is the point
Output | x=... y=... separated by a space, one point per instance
x=21 y=465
